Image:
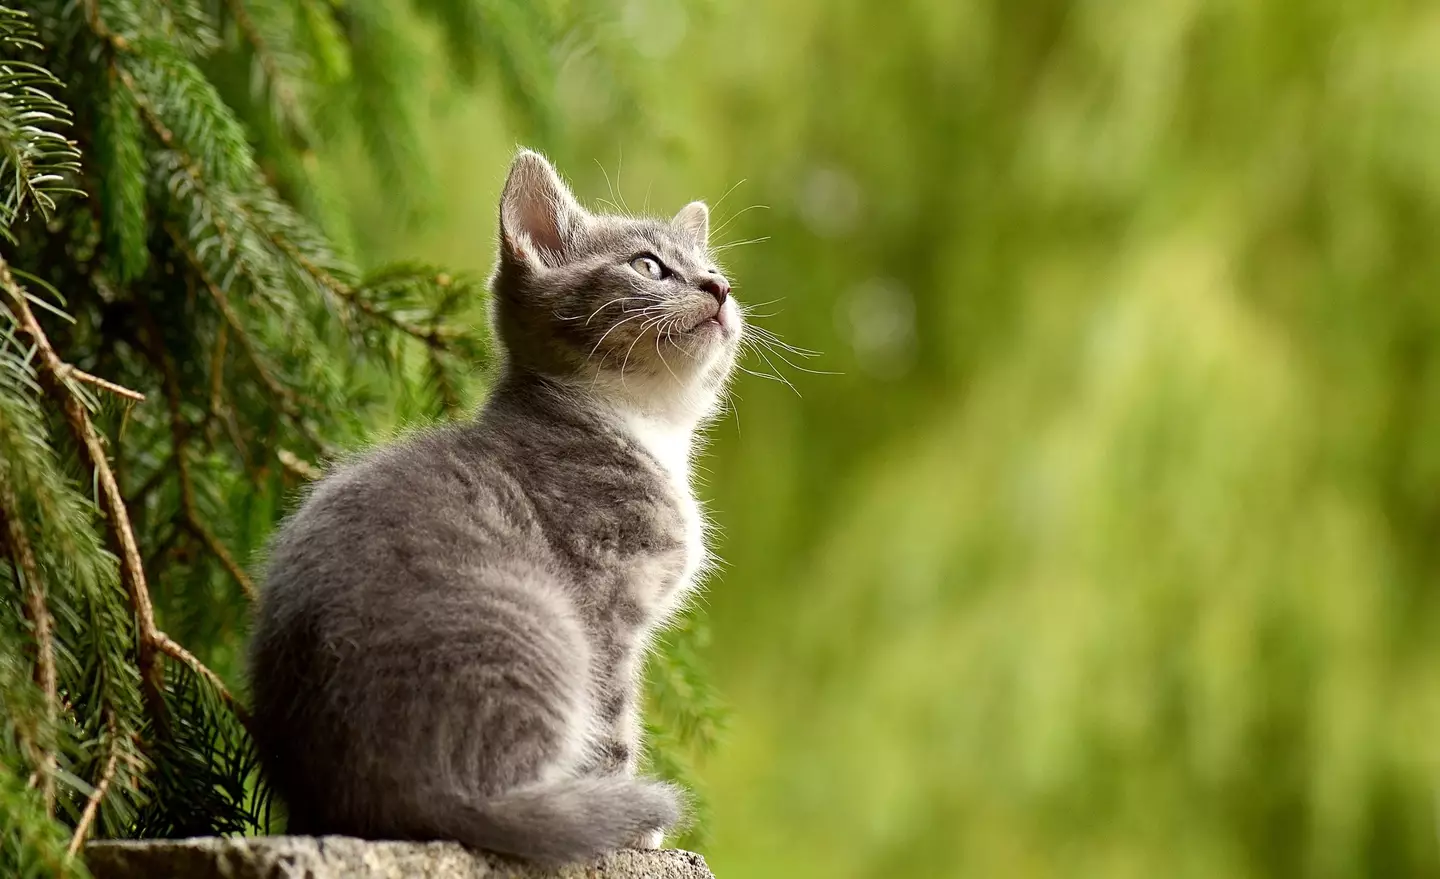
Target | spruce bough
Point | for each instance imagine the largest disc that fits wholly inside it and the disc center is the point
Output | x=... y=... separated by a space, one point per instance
x=182 y=348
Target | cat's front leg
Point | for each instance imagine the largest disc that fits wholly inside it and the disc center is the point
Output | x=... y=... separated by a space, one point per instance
x=618 y=752
x=618 y=744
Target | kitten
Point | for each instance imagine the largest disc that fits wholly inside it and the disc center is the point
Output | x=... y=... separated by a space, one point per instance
x=452 y=630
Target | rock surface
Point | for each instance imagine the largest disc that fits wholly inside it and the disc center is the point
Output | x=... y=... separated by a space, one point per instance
x=339 y=857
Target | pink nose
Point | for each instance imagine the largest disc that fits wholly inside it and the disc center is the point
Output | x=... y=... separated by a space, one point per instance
x=716 y=286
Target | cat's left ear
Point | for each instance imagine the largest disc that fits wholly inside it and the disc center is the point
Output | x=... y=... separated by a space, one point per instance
x=539 y=217
x=694 y=220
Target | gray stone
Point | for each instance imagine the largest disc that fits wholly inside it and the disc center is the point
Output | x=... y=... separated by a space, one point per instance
x=339 y=857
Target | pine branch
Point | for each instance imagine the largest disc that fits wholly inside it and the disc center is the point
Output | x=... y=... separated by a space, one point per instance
x=54 y=369
x=38 y=613
x=190 y=510
x=107 y=775
x=285 y=397
x=118 y=390
x=298 y=466
x=117 y=149
x=171 y=648
x=35 y=159
x=269 y=226
x=278 y=68
x=152 y=641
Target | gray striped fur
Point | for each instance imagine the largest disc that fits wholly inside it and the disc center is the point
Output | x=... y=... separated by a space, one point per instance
x=452 y=629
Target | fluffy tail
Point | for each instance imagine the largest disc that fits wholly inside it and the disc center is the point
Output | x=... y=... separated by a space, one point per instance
x=556 y=823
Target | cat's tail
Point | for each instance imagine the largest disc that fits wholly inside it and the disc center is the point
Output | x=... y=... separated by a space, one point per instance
x=558 y=822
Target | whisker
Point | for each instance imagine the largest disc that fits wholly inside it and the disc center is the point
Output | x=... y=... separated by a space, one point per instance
x=776 y=351
x=608 y=304
x=764 y=375
x=613 y=327
x=741 y=243
x=782 y=378
x=738 y=214
x=716 y=206
x=638 y=336
x=765 y=335
x=610 y=186
x=619 y=167
x=662 y=354
x=670 y=329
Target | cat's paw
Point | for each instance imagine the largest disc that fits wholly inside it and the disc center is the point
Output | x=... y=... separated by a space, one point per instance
x=651 y=840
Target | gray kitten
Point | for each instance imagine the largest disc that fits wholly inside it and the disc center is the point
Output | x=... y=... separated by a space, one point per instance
x=452 y=631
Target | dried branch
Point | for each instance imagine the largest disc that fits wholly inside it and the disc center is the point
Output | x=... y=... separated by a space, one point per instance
x=53 y=369
x=213 y=543
x=118 y=390
x=92 y=805
x=168 y=646
x=298 y=466
x=189 y=509
x=151 y=641
x=26 y=569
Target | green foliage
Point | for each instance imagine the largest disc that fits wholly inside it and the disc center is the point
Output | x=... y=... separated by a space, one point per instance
x=35 y=157
x=31 y=846
x=685 y=719
x=199 y=263
x=118 y=154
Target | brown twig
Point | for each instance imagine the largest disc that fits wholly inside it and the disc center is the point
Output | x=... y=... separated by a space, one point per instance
x=188 y=507
x=179 y=435
x=97 y=381
x=151 y=641
x=52 y=368
x=216 y=548
x=168 y=646
x=92 y=805
x=298 y=466
x=36 y=610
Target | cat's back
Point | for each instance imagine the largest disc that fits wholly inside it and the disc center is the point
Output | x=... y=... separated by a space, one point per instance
x=396 y=515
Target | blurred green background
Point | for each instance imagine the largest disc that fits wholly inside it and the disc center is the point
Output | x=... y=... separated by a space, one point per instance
x=1111 y=547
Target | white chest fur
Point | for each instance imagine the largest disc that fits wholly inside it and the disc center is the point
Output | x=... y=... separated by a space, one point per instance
x=671 y=445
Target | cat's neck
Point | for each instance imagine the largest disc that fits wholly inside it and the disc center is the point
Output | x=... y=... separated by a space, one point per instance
x=668 y=443
x=665 y=425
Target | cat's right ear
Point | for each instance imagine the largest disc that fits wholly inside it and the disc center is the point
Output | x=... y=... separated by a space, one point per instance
x=539 y=216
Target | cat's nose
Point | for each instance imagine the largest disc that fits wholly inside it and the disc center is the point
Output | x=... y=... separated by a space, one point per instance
x=716 y=286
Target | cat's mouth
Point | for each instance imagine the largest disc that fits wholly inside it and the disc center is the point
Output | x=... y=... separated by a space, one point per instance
x=714 y=321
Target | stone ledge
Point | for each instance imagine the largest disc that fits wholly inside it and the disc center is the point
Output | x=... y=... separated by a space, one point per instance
x=340 y=857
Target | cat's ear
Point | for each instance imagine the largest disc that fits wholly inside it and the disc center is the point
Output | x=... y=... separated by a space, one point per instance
x=694 y=220
x=539 y=216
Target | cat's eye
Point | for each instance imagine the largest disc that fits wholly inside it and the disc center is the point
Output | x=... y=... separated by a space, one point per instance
x=649 y=266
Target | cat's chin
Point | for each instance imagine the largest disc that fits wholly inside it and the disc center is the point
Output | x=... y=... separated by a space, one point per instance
x=711 y=326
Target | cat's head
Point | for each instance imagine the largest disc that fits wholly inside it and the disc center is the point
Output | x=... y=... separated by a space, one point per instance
x=635 y=308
